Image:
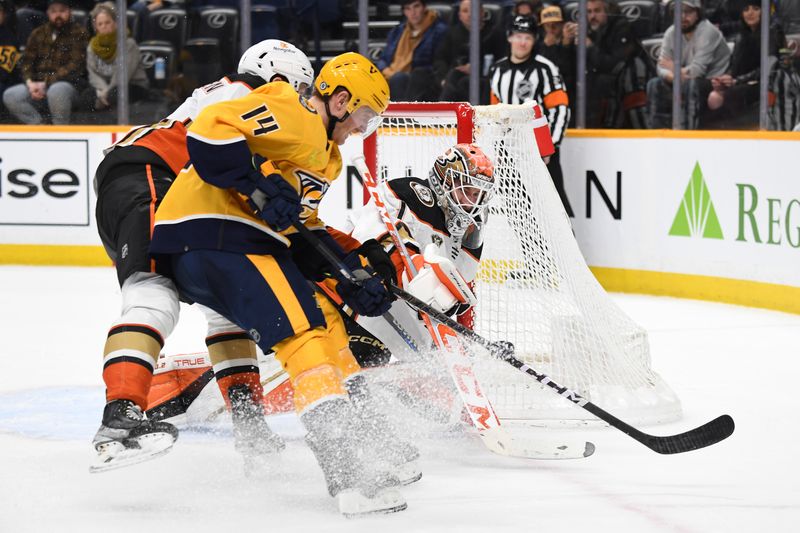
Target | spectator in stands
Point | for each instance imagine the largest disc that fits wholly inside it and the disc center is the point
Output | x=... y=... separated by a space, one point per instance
x=617 y=69
x=407 y=60
x=735 y=93
x=451 y=62
x=527 y=8
x=555 y=46
x=101 y=63
x=9 y=46
x=523 y=77
x=704 y=55
x=53 y=67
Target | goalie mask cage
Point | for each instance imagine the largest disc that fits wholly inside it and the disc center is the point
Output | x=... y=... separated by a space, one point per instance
x=534 y=288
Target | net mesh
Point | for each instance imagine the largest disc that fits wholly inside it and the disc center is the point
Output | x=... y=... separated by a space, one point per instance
x=533 y=287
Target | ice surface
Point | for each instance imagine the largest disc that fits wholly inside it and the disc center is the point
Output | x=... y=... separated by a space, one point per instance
x=718 y=359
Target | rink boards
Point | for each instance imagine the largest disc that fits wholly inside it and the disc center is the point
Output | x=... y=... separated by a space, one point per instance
x=704 y=215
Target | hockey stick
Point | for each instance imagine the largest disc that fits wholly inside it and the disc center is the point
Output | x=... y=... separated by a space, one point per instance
x=486 y=422
x=709 y=433
x=459 y=365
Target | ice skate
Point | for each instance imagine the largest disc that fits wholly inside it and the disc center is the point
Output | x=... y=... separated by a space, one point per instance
x=126 y=437
x=353 y=504
x=385 y=447
x=359 y=488
x=252 y=436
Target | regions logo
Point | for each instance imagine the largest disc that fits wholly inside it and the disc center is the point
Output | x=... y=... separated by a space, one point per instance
x=696 y=216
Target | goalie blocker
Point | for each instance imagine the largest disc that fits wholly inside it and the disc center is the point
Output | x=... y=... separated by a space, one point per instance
x=438 y=283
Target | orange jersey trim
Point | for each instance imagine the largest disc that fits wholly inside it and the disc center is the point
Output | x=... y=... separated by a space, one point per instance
x=555 y=99
x=168 y=143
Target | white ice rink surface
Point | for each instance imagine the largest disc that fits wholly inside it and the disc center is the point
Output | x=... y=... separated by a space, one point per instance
x=718 y=358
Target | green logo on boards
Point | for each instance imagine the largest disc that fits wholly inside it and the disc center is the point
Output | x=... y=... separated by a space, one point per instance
x=696 y=216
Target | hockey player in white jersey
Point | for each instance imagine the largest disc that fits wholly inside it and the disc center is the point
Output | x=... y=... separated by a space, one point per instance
x=130 y=182
x=441 y=219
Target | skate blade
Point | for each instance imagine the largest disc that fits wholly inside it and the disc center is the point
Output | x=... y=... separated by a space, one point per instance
x=408 y=473
x=116 y=455
x=353 y=504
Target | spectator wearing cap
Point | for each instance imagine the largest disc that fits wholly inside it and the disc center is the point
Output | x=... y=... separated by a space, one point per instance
x=554 y=47
x=407 y=60
x=523 y=77
x=735 y=94
x=101 y=56
x=704 y=55
x=617 y=69
x=451 y=61
x=53 y=67
x=9 y=46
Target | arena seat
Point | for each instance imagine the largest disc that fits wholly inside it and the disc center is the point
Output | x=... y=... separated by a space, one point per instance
x=202 y=61
x=166 y=26
x=222 y=24
x=150 y=52
x=27 y=20
x=643 y=16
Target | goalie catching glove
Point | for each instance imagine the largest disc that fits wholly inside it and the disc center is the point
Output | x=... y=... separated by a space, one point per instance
x=368 y=296
x=438 y=283
x=274 y=200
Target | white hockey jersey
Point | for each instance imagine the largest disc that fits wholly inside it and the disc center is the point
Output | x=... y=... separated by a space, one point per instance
x=421 y=221
x=167 y=138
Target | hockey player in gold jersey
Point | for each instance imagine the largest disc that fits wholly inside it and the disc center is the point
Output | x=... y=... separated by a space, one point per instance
x=131 y=180
x=259 y=164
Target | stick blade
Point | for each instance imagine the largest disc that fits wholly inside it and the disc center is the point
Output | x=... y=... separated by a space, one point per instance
x=501 y=443
x=710 y=433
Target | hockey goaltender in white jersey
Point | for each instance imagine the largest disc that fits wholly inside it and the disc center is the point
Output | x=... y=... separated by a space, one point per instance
x=442 y=218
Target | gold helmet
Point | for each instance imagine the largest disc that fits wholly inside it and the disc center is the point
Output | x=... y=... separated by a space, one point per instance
x=364 y=82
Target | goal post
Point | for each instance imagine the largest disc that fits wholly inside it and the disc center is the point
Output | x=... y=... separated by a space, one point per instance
x=534 y=288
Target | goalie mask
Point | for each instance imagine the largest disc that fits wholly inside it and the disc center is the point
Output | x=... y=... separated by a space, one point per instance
x=463 y=181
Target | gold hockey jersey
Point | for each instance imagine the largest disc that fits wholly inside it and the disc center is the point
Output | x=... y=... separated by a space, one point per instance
x=207 y=208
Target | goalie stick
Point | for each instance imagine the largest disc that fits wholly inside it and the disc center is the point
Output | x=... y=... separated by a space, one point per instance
x=709 y=433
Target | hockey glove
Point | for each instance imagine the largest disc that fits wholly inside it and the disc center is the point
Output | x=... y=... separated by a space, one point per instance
x=438 y=283
x=368 y=296
x=274 y=200
x=379 y=260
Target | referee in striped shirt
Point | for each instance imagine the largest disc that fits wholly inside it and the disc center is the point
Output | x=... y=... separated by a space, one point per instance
x=523 y=77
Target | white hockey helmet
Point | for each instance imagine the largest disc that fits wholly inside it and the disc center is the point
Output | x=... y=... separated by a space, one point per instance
x=273 y=57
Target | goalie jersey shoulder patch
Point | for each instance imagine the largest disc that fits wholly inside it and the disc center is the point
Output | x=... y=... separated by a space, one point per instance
x=418 y=198
x=424 y=193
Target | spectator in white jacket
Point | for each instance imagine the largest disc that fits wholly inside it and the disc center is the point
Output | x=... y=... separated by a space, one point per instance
x=704 y=55
x=101 y=62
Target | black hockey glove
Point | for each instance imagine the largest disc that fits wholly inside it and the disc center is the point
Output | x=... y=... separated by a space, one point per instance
x=274 y=200
x=379 y=260
x=369 y=296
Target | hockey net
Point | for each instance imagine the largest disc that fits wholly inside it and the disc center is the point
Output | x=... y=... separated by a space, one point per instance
x=534 y=288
